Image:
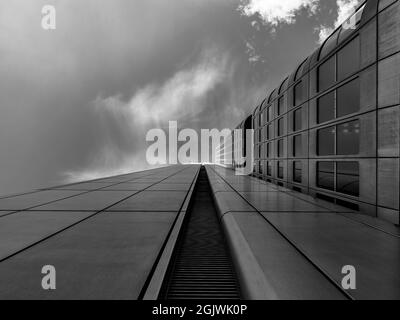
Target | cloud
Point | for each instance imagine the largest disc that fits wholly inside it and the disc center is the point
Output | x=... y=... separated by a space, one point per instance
x=182 y=97
x=345 y=9
x=274 y=12
x=252 y=54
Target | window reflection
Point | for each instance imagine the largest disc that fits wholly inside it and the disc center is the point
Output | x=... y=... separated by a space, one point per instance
x=281 y=127
x=348 y=178
x=327 y=74
x=349 y=59
x=326 y=175
x=281 y=106
x=326 y=141
x=297 y=121
x=269 y=169
x=297 y=171
x=298 y=93
x=326 y=107
x=348 y=98
x=348 y=138
x=297 y=146
x=280 y=170
x=280 y=149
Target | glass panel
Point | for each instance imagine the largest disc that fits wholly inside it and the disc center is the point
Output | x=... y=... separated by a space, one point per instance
x=349 y=59
x=326 y=175
x=297 y=171
x=281 y=108
x=348 y=98
x=348 y=138
x=269 y=169
x=297 y=146
x=270 y=116
x=298 y=94
x=326 y=107
x=348 y=178
x=265 y=116
x=297 y=120
x=280 y=170
x=280 y=149
x=281 y=127
x=326 y=141
x=327 y=74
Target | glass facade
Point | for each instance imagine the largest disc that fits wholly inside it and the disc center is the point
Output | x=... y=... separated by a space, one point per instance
x=342 y=177
x=343 y=139
x=335 y=122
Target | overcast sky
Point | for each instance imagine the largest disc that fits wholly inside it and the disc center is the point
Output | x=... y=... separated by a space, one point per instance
x=76 y=102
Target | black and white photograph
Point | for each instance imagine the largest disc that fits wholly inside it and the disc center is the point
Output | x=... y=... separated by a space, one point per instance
x=201 y=158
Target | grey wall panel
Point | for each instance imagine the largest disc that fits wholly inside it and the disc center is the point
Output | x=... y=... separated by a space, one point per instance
x=388 y=183
x=368 y=89
x=388 y=132
x=389 y=29
x=368 y=44
x=368 y=181
x=389 y=81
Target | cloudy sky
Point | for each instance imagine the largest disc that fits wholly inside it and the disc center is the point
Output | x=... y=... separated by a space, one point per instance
x=76 y=103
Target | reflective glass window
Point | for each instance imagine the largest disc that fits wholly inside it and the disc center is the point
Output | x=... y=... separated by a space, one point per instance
x=281 y=106
x=281 y=127
x=349 y=59
x=348 y=178
x=297 y=171
x=280 y=170
x=326 y=175
x=298 y=93
x=348 y=98
x=326 y=107
x=327 y=74
x=297 y=146
x=326 y=141
x=297 y=120
x=348 y=138
x=280 y=149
